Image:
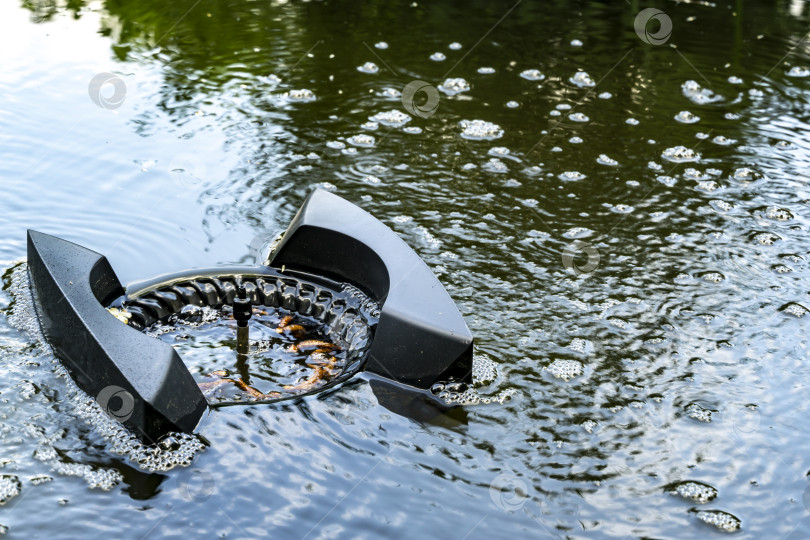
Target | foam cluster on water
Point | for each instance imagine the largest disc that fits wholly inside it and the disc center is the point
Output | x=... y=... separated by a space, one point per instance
x=744 y=174
x=96 y=478
x=582 y=79
x=484 y=372
x=300 y=95
x=392 y=118
x=778 y=214
x=686 y=117
x=604 y=159
x=10 y=487
x=571 y=176
x=454 y=86
x=680 y=154
x=369 y=67
x=390 y=93
x=723 y=141
x=699 y=413
x=699 y=95
x=696 y=491
x=495 y=165
x=175 y=449
x=722 y=520
x=362 y=140
x=798 y=72
x=564 y=369
x=532 y=75
x=480 y=130
x=795 y=309
x=766 y=238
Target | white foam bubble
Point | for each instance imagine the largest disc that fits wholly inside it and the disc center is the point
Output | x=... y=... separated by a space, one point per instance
x=582 y=80
x=300 y=95
x=571 y=176
x=798 y=72
x=454 y=86
x=480 y=130
x=369 y=67
x=686 y=117
x=722 y=520
x=10 y=487
x=564 y=369
x=699 y=413
x=391 y=118
x=695 y=491
x=699 y=95
x=680 y=154
x=362 y=140
x=604 y=159
x=532 y=75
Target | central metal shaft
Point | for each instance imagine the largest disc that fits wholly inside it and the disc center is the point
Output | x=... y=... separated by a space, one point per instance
x=242 y=311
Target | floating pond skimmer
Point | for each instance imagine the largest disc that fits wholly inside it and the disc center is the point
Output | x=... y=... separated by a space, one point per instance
x=403 y=328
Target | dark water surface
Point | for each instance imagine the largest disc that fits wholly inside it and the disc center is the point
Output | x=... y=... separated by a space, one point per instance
x=657 y=378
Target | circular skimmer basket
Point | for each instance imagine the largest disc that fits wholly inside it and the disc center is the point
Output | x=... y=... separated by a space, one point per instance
x=345 y=316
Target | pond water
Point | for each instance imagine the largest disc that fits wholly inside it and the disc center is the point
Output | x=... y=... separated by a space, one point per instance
x=616 y=199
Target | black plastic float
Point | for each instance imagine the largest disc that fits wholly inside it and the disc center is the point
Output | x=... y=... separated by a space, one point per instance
x=417 y=338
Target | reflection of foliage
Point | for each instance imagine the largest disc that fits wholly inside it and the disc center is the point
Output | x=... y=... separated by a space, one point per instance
x=44 y=10
x=206 y=35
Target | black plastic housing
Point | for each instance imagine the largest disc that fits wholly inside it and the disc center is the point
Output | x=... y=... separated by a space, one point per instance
x=421 y=337
x=139 y=380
